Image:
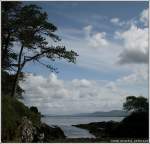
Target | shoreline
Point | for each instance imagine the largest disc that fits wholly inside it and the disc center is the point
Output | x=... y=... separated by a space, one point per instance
x=86 y=127
x=112 y=130
x=99 y=129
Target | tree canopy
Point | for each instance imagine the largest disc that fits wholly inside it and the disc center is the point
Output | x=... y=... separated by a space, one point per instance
x=28 y=26
x=9 y=12
x=136 y=104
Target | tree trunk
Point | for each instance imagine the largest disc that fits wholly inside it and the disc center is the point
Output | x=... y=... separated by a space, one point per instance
x=17 y=74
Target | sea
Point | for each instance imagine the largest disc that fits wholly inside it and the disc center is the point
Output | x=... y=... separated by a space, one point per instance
x=66 y=122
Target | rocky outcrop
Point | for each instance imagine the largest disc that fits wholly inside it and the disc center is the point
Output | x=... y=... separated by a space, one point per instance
x=134 y=126
x=26 y=130
x=21 y=124
x=51 y=133
x=28 y=133
x=100 y=129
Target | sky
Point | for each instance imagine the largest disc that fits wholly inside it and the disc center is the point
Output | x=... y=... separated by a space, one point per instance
x=111 y=39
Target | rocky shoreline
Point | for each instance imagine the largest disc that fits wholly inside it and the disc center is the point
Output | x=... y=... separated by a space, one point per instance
x=133 y=128
x=43 y=133
x=101 y=130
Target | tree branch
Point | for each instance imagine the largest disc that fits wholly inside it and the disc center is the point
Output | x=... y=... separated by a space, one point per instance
x=59 y=51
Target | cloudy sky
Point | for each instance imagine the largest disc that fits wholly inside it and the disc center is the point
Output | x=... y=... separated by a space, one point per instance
x=111 y=39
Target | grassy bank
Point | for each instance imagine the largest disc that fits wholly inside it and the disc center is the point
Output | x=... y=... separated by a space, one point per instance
x=13 y=112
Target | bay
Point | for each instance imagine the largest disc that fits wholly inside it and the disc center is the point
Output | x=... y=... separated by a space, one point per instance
x=66 y=122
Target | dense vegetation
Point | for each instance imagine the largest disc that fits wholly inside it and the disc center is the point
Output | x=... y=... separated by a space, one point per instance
x=12 y=113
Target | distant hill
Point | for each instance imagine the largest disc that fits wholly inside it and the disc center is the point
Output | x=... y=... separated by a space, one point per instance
x=113 y=113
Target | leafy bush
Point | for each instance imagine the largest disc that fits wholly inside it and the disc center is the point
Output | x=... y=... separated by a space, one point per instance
x=34 y=109
x=136 y=104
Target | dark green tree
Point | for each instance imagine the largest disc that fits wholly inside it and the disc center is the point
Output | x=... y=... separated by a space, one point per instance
x=31 y=32
x=7 y=84
x=34 y=109
x=136 y=104
x=9 y=12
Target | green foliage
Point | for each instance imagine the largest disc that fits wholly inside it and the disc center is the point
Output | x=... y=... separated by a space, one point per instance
x=12 y=113
x=9 y=14
x=136 y=104
x=29 y=26
x=34 y=109
x=33 y=31
x=7 y=84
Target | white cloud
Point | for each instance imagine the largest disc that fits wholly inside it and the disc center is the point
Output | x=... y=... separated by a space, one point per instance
x=135 y=83
x=136 y=38
x=135 y=42
x=88 y=29
x=54 y=96
x=140 y=75
x=144 y=16
x=130 y=47
x=96 y=40
x=116 y=21
x=81 y=83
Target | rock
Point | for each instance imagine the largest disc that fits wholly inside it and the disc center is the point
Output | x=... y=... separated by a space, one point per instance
x=41 y=137
x=28 y=133
x=51 y=133
x=27 y=130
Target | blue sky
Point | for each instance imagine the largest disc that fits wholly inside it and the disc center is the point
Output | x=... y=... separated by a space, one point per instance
x=73 y=16
x=111 y=39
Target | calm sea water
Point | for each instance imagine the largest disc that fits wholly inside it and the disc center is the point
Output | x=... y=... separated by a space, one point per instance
x=66 y=122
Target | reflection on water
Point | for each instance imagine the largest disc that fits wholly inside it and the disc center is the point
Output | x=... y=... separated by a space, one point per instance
x=66 y=122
